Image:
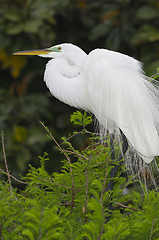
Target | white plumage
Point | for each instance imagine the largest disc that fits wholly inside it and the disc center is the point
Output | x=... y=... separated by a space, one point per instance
x=113 y=87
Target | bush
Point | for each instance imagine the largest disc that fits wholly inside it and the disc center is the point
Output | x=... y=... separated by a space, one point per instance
x=73 y=204
x=127 y=26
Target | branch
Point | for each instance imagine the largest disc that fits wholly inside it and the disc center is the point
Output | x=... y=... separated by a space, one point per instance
x=5 y=160
x=152 y=228
x=17 y=180
x=78 y=154
x=105 y=177
x=75 y=134
x=57 y=184
x=155 y=75
x=86 y=175
x=102 y=163
x=131 y=208
x=68 y=159
x=58 y=145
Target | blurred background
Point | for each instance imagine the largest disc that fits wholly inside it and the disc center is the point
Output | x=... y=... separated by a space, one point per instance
x=127 y=26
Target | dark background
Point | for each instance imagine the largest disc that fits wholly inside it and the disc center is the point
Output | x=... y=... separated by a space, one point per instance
x=128 y=26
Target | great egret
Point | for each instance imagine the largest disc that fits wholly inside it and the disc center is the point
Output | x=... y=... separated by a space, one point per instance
x=112 y=86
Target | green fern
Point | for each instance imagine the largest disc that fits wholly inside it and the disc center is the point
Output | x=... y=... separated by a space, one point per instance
x=74 y=203
x=78 y=118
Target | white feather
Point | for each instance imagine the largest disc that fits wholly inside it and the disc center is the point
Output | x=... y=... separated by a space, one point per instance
x=122 y=98
x=114 y=88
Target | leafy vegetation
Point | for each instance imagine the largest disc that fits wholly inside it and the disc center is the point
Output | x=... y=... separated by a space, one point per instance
x=74 y=204
x=128 y=26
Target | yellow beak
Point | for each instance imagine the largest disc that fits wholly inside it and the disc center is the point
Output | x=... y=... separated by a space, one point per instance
x=33 y=52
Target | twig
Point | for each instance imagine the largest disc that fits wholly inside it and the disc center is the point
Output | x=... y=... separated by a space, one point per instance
x=101 y=163
x=152 y=228
x=73 y=195
x=17 y=180
x=57 y=184
x=131 y=208
x=105 y=177
x=78 y=154
x=65 y=204
x=68 y=159
x=155 y=75
x=55 y=141
x=62 y=150
x=102 y=192
x=86 y=176
x=5 y=160
x=75 y=134
x=92 y=133
x=78 y=190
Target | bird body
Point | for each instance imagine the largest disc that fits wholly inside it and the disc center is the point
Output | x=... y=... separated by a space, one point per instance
x=122 y=98
x=110 y=85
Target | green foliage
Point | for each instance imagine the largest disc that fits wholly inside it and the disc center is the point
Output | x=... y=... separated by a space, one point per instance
x=73 y=204
x=23 y=134
x=81 y=119
x=128 y=26
x=19 y=17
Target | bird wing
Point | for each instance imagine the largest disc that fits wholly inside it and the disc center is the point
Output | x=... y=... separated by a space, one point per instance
x=122 y=98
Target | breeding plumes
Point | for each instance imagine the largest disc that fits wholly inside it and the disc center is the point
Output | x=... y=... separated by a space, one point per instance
x=110 y=85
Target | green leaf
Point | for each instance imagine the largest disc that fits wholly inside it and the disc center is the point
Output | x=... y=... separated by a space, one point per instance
x=147 y=12
x=20 y=133
x=13 y=29
x=28 y=233
x=100 y=30
x=32 y=26
x=146 y=33
x=13 y=15
x=78 y=118
x=151 y=67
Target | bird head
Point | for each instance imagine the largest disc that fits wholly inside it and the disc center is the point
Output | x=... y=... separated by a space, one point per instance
x=71 y=53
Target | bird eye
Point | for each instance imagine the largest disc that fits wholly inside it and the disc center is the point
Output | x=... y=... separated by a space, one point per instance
x=59 y=48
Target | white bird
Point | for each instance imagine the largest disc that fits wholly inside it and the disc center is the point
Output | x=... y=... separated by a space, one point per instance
x=110 y=85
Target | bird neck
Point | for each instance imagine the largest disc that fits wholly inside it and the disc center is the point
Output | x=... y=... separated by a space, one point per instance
x=75 y=59
x=66 y=82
